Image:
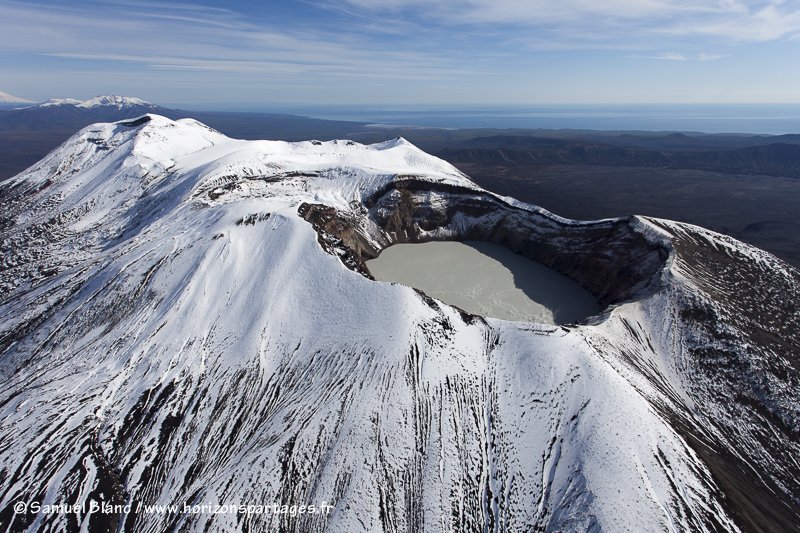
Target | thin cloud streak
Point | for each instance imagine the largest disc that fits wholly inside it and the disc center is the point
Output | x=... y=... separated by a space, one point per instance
x=670 y=56
x=760 y=20
x=702 y=56
x=674 y=56
x=232 y=46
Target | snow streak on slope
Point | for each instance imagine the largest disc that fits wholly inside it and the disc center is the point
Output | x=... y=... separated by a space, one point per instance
x=172 y=332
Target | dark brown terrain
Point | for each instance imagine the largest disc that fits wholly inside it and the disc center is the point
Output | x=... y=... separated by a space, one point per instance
x=760 y=210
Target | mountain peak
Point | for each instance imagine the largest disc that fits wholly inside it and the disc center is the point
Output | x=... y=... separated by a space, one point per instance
x=102 y=101
x=6 y=98
x=59 y=101
x=228 y=170
x=397 y=141
x=114 y=100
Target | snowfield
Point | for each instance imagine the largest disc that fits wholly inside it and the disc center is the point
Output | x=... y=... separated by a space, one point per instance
x=176 y=327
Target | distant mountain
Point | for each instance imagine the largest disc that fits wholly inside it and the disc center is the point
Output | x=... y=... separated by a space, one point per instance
x=187 y=319
x=6 y=98
x=60 y=118
x=72 y=115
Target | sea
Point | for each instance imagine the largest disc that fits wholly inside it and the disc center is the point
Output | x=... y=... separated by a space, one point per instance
x=772 y=119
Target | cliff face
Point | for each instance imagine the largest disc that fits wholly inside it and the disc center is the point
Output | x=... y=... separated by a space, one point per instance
x=609 y=258
x=188 y=319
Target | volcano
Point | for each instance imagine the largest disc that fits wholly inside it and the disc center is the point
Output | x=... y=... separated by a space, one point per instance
x=191 y=340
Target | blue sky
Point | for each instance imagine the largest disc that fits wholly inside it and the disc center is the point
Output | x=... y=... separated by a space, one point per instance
x=404 y=51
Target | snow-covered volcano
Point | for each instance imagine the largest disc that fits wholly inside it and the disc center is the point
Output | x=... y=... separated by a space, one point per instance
x=186 y=319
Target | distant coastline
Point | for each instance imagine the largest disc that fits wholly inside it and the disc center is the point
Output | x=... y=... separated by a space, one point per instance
x=766 y=119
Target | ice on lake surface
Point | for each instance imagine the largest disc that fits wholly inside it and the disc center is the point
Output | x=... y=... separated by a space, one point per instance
x=486 y=279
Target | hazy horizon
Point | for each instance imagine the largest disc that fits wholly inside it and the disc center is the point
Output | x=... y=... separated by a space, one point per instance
x=760 y=119
x=767 y=119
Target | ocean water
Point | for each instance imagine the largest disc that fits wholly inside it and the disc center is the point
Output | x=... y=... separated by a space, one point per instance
x=709 y=118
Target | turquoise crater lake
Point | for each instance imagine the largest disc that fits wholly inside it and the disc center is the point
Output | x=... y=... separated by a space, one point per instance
x=486 y=279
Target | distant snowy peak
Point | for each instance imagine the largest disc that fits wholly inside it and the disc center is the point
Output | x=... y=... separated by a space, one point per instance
x=58 y=102
x=117 y=102
x=6 y=98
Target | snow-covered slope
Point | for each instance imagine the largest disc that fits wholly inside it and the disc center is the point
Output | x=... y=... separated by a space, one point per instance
x=55 y=102
x=186 y=319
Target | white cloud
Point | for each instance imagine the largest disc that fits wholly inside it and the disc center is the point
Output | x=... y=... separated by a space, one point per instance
x=674 y=56
x=703 y=56
x=748 y=21
x=762 y=22
x=671 y=56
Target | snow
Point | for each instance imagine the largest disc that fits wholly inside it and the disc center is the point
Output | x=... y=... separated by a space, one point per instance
x=209 y=360
x=58 y=102
x=118 y=102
